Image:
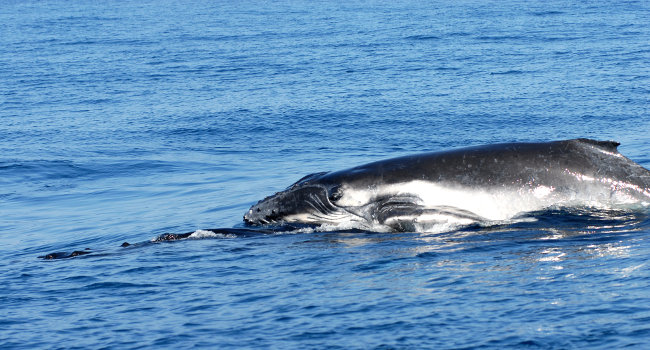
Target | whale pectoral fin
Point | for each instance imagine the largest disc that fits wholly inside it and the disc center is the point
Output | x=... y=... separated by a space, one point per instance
x=399 y=216
x=397 y=206
x=447 y=213
x=405 y=217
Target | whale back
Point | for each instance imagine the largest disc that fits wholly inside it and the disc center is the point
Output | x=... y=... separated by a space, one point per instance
x=499 y=164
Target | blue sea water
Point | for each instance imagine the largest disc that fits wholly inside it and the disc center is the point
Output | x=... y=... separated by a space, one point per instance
x=121 y=121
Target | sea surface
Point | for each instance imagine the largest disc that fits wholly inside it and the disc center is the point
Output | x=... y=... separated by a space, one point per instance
x=121 y=121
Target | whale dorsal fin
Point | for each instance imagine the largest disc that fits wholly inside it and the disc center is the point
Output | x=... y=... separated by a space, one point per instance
x=608 y=145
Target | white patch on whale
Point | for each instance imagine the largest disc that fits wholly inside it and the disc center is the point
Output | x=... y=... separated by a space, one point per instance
x=492 y=205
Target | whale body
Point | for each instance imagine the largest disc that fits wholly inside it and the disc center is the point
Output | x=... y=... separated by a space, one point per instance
x=484 y=184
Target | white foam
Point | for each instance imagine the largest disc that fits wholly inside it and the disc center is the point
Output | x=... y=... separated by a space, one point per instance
x=201 y=234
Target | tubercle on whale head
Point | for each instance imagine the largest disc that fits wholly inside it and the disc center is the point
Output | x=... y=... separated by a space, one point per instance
x=297 y=200
x=263 y=212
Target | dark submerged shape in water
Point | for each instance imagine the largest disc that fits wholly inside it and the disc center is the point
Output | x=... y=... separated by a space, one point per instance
x=426 y=189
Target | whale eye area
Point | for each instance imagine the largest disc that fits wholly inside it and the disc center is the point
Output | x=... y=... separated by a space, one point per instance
x=335 y=194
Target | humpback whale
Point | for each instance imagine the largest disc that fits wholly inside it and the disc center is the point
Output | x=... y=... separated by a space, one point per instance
x=483 y=184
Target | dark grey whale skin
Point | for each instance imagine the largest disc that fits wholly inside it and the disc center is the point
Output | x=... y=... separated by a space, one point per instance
x=570 y=166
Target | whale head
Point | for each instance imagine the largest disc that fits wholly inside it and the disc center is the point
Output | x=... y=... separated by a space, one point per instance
x=306 y=201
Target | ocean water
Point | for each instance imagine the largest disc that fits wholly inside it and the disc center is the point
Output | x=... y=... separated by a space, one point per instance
x=123 y=121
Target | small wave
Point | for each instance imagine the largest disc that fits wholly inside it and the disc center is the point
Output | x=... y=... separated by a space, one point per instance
x=43 y=170
x=26 y=171
x=446 y=69
x=500 y=37
x=458 y=34
x=117 y=285
x=423 y=37
x=510 y=72
x=546 y=13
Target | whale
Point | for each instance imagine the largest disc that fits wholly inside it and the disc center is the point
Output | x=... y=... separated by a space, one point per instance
x=440 y=190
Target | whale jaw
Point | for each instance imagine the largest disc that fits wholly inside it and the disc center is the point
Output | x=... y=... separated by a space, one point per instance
x=308 y=204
